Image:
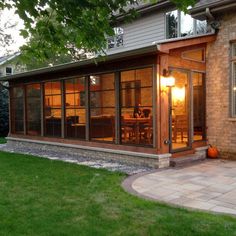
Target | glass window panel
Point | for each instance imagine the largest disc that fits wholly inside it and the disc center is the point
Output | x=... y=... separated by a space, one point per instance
x=56 y=101
x=102 y=99
x=102 y=126
x=33 y=104
x=136 y=107
x=180 y=110
x=51 y=88
x=75 y=85
x=187 y=25
x=52 y=108
x=102 y=112
x=195 y=55
x=201 y=27
x=75 y=122
x=137 y=131
x=198 y=106
x=234 y=89
x=70 y=99
x=47 y=88
x=172 y=24
x=234 y=50
x=18 y=92
x=102 y=82
x=17 y=110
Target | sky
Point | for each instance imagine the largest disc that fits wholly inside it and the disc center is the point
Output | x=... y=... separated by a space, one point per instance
x=9 y=15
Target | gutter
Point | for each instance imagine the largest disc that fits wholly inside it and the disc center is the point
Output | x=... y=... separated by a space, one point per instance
x=217 y=6
x=149 y=7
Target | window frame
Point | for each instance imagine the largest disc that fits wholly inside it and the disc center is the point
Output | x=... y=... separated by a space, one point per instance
x=115 y=38
x=179 y=13
x=233 y=80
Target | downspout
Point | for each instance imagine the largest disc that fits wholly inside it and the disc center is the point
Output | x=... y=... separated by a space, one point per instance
x=211 y=19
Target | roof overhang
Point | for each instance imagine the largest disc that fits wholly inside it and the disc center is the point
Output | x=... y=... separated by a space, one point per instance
x=90 y=62
x=147 y=8
x=166 y=46
x=9 y=58
x=199 y=12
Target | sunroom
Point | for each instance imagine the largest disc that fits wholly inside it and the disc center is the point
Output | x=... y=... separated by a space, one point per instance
x=148 y=102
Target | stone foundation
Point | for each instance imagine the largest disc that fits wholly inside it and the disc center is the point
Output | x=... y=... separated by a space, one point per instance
x=77 y=151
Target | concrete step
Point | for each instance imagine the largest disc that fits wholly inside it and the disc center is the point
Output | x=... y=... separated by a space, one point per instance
x=187 y=160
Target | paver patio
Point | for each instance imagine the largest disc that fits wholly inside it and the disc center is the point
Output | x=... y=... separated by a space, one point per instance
x=210 y=185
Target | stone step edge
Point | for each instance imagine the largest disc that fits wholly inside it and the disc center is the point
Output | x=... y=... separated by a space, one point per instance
x=105 y=150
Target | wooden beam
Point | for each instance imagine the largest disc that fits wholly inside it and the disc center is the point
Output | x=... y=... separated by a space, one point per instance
x=166 y=47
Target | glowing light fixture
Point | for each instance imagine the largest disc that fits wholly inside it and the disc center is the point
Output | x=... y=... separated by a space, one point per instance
x=178 y=94
x=167 y=80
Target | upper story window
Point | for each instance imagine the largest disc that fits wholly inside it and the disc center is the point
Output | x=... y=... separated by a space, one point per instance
x=117 y=40
x=233 y=81
x=9 y=70
x=179 y=24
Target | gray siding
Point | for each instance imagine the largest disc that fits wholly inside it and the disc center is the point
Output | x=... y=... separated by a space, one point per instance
x=142 y=32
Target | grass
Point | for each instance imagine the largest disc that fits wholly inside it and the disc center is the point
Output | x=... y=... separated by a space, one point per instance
x=44 y=197
x=2 y=140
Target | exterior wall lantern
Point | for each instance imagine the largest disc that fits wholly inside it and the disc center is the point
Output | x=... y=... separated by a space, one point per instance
x=167 y=81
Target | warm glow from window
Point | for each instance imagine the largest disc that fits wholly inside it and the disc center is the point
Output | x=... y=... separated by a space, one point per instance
x=178 y=94
x=234 y=88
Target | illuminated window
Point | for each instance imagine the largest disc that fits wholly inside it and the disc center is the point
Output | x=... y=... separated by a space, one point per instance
x=102 y=107
x=194 y=55
x=136 y=107
x=75 y=108
x=52 y=108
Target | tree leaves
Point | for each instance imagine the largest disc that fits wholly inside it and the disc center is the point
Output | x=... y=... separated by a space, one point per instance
x=65 y=26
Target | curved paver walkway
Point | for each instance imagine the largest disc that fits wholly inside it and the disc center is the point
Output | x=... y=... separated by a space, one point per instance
x=210 y=185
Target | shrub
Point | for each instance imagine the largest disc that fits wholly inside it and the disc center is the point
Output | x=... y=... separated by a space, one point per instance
x=4 y=112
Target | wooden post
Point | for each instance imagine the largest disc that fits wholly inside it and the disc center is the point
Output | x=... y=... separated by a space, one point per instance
x=155 y=104
x=25 y=112
x=42 y=108
x=164 y=109
x=63 y=109
x=87 y=108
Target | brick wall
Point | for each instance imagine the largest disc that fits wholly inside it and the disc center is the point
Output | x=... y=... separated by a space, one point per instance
x=221 y=130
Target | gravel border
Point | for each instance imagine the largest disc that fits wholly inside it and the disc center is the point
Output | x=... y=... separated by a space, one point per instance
x=91 y=162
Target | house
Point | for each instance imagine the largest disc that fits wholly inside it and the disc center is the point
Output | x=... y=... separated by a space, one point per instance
x=9 y=65
x=178 y=70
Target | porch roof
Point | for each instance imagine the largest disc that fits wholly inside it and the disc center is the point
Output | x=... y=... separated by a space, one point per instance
x=152 y=49
x=157 y=47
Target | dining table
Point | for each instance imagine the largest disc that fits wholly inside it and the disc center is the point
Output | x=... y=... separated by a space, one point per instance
x=137 y=123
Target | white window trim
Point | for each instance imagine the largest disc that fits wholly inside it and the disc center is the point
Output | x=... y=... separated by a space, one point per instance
x=179 y=26
x=114 y=37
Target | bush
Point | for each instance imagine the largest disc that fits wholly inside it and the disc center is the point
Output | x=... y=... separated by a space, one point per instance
x=4 y=112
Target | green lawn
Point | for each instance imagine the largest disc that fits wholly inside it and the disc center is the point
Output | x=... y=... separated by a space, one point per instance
x=44 y=197
x=2 y=140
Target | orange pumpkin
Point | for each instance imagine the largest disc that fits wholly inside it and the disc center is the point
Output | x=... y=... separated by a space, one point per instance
x=212 y=152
